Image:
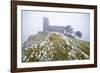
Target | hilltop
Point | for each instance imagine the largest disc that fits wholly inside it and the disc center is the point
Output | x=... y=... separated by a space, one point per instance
x=54 y=46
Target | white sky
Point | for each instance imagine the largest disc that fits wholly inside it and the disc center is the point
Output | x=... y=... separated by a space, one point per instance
x=32 y=22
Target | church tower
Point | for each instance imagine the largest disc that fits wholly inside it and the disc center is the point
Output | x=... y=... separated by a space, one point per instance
x=45 y=23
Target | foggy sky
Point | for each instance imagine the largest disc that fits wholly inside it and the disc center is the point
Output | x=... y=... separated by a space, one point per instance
x=32 y=22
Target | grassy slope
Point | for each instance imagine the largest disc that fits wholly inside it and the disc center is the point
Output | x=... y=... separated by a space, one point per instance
x=85 y=46
x=38 y=37
x=60 y=48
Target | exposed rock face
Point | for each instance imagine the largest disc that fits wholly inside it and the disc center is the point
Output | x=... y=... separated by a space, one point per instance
x=53 y=47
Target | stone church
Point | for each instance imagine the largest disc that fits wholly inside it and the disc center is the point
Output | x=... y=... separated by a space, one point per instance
x=48 y=28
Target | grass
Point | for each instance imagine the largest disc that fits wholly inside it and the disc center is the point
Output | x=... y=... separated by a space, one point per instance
x=58 y=50
x=38 y=37
x=85 y=46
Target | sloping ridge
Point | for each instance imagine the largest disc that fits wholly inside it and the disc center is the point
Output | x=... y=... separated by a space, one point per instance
x=55 y=46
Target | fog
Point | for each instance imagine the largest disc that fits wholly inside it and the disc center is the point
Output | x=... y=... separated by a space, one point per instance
x=32 y=22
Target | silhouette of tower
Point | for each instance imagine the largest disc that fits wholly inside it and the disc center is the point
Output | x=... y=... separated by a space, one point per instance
x=48 y=28
x=45 y=23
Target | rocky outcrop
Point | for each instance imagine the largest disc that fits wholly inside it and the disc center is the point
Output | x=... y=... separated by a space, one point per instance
x=55 y=46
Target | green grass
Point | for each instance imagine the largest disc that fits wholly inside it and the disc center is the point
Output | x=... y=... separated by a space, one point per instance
x=85 y=46
x=38 y=37
x=59 y=50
